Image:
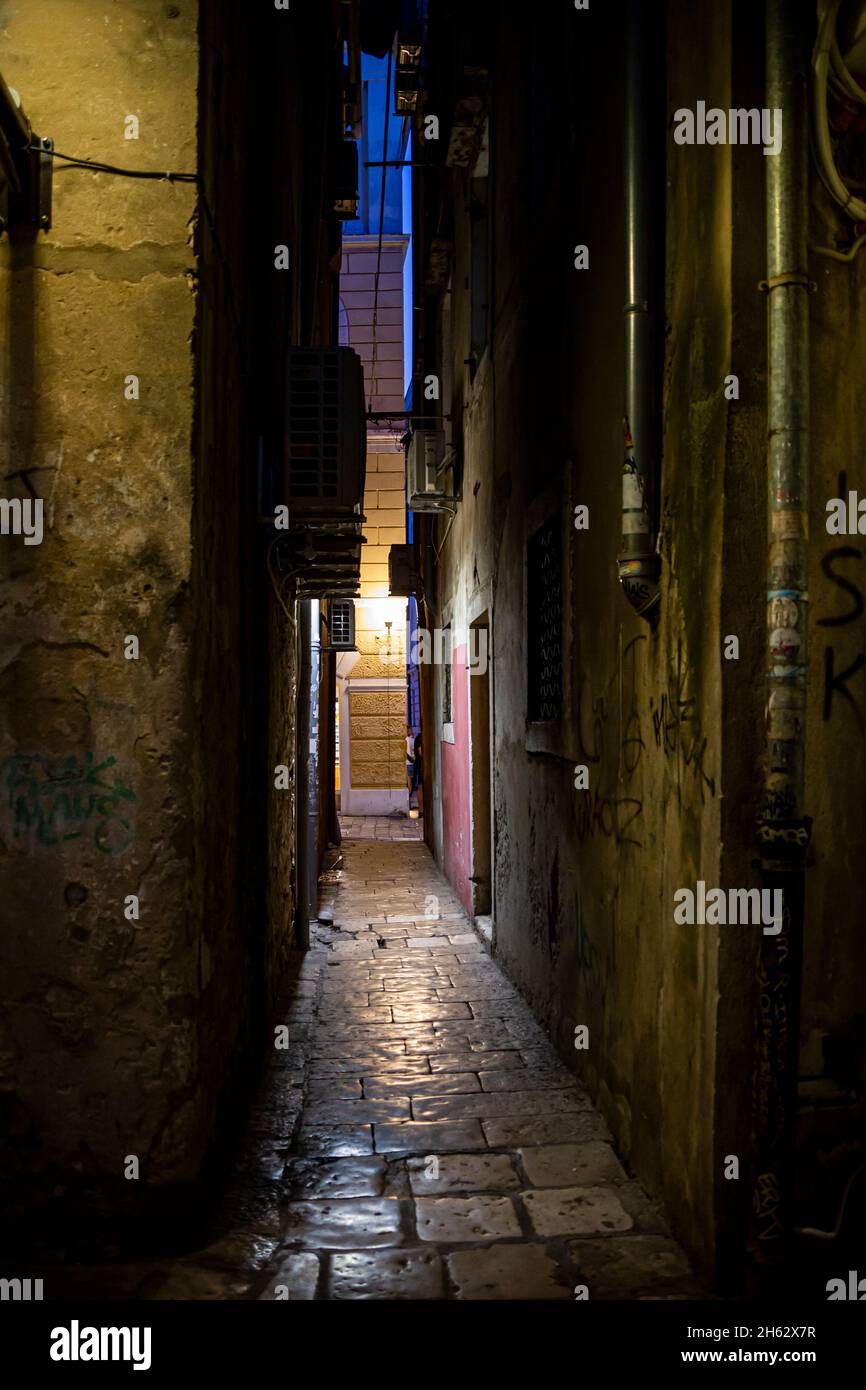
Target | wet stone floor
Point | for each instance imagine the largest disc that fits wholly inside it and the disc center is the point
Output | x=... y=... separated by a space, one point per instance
x=418 y=1138
x=397 y=826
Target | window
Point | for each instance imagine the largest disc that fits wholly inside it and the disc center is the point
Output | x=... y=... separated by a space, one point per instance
x=447 y=687
x=544 y=622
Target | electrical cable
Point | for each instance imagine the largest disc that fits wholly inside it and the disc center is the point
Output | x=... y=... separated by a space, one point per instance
x=79 y=162
x=825 y=53
x=438 y=552
x=274 y=582
x=98 y=167
x=839 y=255
x=842 y=78
x=815 y=1232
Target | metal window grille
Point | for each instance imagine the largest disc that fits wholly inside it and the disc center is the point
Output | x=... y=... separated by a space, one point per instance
x=544 y=622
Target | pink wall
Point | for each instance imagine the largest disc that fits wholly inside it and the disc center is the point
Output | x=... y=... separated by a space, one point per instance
x=456 y=806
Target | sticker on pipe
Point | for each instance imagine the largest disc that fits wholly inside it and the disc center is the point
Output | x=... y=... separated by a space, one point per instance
x=632 y=491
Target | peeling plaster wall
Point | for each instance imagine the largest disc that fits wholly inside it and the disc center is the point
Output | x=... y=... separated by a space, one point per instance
x=101 y=1053
x=152 y=777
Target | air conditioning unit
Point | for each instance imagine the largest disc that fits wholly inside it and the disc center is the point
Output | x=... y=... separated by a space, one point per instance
x=326 y=432
x=429 y=461
x=403 y=578
x=341 y=625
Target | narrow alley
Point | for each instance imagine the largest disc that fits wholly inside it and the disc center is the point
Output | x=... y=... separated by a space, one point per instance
x=443 y=1149
x=432 y=718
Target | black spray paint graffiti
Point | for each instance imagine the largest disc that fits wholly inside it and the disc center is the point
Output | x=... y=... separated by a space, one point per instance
x=609 y=817
x=593 y=715
x=50 y=800
x=631 y=743
x=677 y=734
x=586 y=956
x=836 y=682
x=598 y=814
x=594 y=972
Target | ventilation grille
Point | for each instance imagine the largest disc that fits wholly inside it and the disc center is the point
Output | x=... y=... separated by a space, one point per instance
x=313 y=435
x=324 y=463
x=342 y=624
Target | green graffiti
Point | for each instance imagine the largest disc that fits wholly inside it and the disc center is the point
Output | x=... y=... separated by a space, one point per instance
x=55 y=799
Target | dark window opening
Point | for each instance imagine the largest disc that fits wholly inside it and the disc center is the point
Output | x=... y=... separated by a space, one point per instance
x=544 y=622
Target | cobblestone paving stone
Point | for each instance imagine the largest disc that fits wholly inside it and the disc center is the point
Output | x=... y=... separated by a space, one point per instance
x=419 y=1138
x=399 y=827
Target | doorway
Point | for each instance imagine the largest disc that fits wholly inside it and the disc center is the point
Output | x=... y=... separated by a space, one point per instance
x=478 y=659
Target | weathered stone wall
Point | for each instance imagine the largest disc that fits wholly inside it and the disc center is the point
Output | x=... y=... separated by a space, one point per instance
x=275 y=71
x=833 y=1020
x=101 y=1049
x=584 y=881
x=152 y=777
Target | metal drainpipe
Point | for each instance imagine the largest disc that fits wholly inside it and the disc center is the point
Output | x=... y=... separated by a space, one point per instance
x=14 y=125
x=638 y=561
x=783 y=828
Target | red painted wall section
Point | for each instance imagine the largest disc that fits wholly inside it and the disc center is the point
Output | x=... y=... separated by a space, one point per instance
x=455 y=787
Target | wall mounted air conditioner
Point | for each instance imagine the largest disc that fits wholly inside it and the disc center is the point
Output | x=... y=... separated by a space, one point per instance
x=341 y=625
x=326 y=432
x=403 y=578
x=430 y=464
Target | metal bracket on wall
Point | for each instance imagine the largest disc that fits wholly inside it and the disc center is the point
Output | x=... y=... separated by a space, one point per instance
x=40 y=184
x=789 y=277
x=26 y=168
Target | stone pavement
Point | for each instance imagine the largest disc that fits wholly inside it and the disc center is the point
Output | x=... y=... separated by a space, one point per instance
x=381 y=828
x=418 y=1138
x=443 y=1149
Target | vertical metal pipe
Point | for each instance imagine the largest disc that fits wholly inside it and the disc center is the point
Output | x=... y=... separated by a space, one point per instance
x=783 y=828
x=14 y=125
x=638 y=562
